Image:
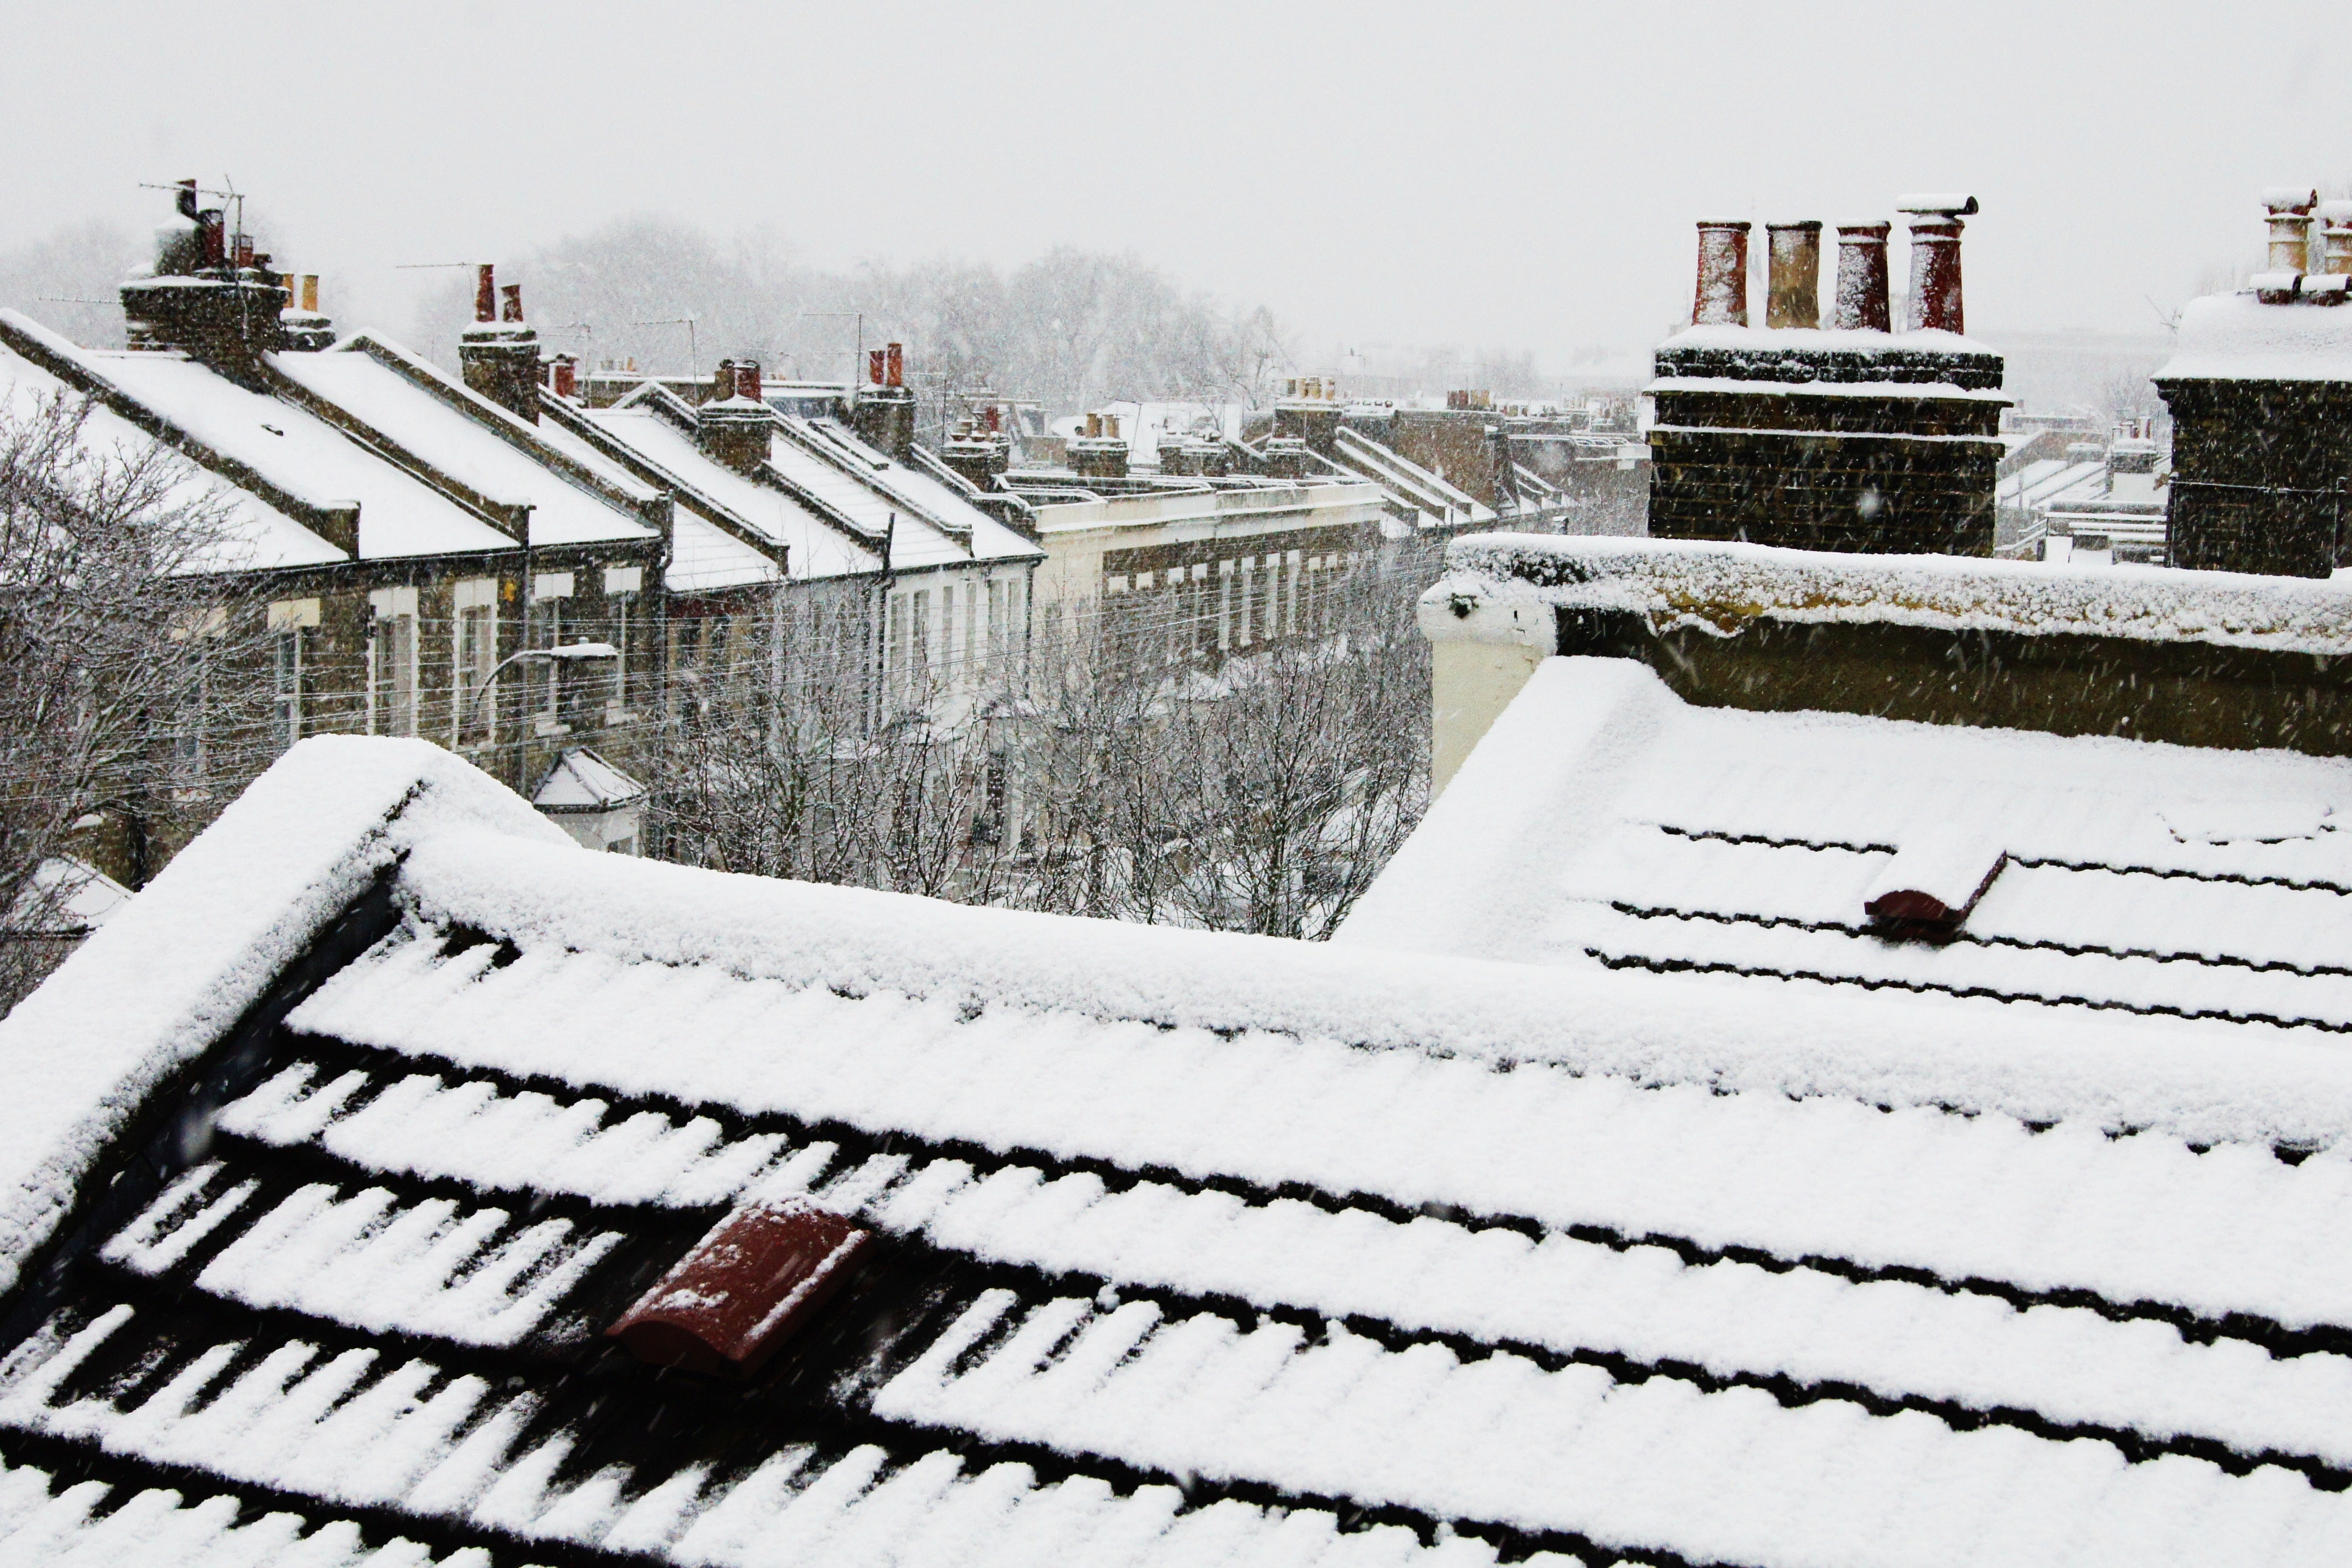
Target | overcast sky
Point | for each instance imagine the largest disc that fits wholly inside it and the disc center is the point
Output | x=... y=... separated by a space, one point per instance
x=1517 y=176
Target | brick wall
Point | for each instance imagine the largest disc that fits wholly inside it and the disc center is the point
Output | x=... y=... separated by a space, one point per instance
x=2260 y=468
x=1826 y=468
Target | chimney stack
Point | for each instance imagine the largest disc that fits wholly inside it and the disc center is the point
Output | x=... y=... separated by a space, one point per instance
x=1722 y=298
x=2290 y=210
x=885 y=417
x=1862 y=278
x=228 y=317
x=1793 y=296
x=1936 y=260
x=500 y=359
x=734 y=425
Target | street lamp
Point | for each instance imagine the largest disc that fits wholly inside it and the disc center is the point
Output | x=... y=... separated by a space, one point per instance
x=568 y=652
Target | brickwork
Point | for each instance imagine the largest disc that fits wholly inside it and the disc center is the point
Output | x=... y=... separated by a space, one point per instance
x=1796 y=454
x=2260 y=473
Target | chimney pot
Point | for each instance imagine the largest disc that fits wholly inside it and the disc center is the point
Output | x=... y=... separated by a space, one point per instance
x=874 y=366
x=1861 y=304
x=486 y=294
x=567 y=376
x=747 y=379
x=512 y=298
x=2335 y=237
x=2289 y=208
x=897 y=365
x=1935 y=261
x=1722 y=296
x=309 y=291
x=1793 y=296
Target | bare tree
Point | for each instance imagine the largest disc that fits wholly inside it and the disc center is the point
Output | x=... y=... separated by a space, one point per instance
x=1133 y=773
x=132 y=685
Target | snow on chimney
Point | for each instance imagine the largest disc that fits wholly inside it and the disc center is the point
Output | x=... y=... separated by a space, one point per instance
x=1722 y=297
x=1936 y=260
x=2290 y=210
x=1793 y=297
x=1862 y=278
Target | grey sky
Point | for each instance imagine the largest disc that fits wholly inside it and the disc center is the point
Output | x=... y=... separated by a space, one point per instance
x=1523 y=176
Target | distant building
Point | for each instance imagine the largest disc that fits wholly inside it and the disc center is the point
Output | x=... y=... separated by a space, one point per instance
x=1854 y=437
x=2259 y=387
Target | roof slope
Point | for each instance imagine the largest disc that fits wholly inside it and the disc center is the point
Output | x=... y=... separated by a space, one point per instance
x=1603 y=821
x=1193 y=1248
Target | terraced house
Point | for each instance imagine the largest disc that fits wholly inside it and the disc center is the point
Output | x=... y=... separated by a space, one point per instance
x=484 y=562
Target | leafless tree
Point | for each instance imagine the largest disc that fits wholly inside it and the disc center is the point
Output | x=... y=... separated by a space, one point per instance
x=1130 y=774
x=133 y=681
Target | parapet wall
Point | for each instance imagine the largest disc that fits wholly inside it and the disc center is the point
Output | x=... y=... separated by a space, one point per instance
x=2202 y=658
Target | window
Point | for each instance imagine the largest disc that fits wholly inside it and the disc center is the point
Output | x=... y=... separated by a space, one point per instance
x=474 y=706
x=392 y=663
x=286 y=686
x=622 y=585
x=549 y=590
x=290 y=621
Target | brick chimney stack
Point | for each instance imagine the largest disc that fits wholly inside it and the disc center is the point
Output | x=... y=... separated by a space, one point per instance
x=225 y=315
x=885 y=415
x=1722 y=296
x=1861 y=304
x=500 y=358
x=734 y=425
x=1936 y=260
x=1793 y=296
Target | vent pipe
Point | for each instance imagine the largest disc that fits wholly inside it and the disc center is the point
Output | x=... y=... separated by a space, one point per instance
x=2290 y=210
x=1862 y=278
x=1722 y=297
x=1935 y=261
x=1793 y=296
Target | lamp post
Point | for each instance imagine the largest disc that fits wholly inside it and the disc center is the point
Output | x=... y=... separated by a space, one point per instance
x=568 y=653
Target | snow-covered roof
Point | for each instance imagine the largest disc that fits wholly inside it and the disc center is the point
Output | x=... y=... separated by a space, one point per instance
x=1194 y=1247
x=461 y=442
x=1601 y=822
x=255 y=533
x=704 y=559
x=2236 y=337
x=935 y=526
x=66 y=896
x=287 y=446
x=815 y=548
x=581 y=780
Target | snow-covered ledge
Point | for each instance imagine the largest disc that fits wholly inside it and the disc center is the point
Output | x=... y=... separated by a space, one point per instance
x=1495 y=613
